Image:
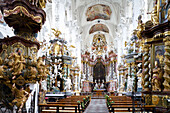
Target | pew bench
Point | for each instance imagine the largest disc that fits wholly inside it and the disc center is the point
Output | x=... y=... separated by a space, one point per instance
x=132 y=108
x=60 y=108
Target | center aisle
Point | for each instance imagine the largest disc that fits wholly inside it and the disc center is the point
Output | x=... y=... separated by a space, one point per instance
x=97 y=106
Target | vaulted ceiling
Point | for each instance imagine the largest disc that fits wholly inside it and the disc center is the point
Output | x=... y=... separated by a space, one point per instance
x=98 y=17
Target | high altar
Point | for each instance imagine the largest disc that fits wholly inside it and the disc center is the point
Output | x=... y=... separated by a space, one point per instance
x=99 y=73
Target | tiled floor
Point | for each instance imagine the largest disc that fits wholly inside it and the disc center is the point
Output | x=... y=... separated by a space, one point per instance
x=97 y=106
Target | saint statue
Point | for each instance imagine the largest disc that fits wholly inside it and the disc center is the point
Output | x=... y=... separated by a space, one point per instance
x=20 y=97
x=19 y=62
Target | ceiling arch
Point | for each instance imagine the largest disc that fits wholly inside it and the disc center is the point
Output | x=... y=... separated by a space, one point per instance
x=98 y=27
x=89 y=28
x=98 y=11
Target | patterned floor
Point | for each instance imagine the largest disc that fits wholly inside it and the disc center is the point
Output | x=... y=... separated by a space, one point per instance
x=97 y=106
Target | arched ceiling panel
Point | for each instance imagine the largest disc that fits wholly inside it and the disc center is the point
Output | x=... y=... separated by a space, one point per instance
x=98 y=11
x=99 y=27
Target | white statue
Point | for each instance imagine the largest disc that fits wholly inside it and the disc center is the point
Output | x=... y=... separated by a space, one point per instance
x=68 y=85
x=96 y=86
x=102 y=86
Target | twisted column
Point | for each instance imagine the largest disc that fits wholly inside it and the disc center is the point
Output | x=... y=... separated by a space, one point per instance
x=146 y=67
x=167 y=64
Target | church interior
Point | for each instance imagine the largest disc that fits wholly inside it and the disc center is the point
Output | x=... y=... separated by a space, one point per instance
x=84 y=56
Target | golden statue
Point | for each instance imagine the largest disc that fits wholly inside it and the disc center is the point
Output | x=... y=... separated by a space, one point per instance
x=20 y=97
x=33 y=72
x=155 y=81
x=161 y=58
x=140 y=27
x=56 y=32
x=40 y=62
x=38 y=3
x=2 y=71
x=40 y=66
x=155 y=14
x=42 y=3
x=18 y=64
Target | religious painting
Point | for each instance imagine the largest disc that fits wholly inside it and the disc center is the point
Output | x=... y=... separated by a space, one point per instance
x=98 y=11
x=86 y=86
x=99 y=27
x=159 y=54
x=99 y=73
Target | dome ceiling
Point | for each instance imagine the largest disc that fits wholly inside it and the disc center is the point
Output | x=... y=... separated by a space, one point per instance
x=99 y=27
x=98 y=11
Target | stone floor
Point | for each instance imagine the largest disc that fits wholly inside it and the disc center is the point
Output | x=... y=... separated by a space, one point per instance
x=97 y=106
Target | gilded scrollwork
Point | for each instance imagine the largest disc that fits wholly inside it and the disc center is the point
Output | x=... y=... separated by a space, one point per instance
x=42 y=69
x=155 y=99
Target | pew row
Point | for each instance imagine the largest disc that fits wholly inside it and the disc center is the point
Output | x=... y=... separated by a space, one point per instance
x=73 y=104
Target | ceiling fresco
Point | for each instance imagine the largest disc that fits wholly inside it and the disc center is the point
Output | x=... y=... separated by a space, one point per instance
x=98 y=11
x=99 y=27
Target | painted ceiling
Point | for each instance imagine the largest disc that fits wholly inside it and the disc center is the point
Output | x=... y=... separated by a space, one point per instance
x=99 y=27
x=98 y=11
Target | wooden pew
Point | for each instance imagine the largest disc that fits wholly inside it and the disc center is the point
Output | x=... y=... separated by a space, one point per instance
x=133 y=107
x=125 y=104
x=58 y=110
x=72 y=104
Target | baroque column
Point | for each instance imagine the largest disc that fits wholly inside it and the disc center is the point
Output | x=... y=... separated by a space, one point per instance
x=166 y=76
x=146 y=68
